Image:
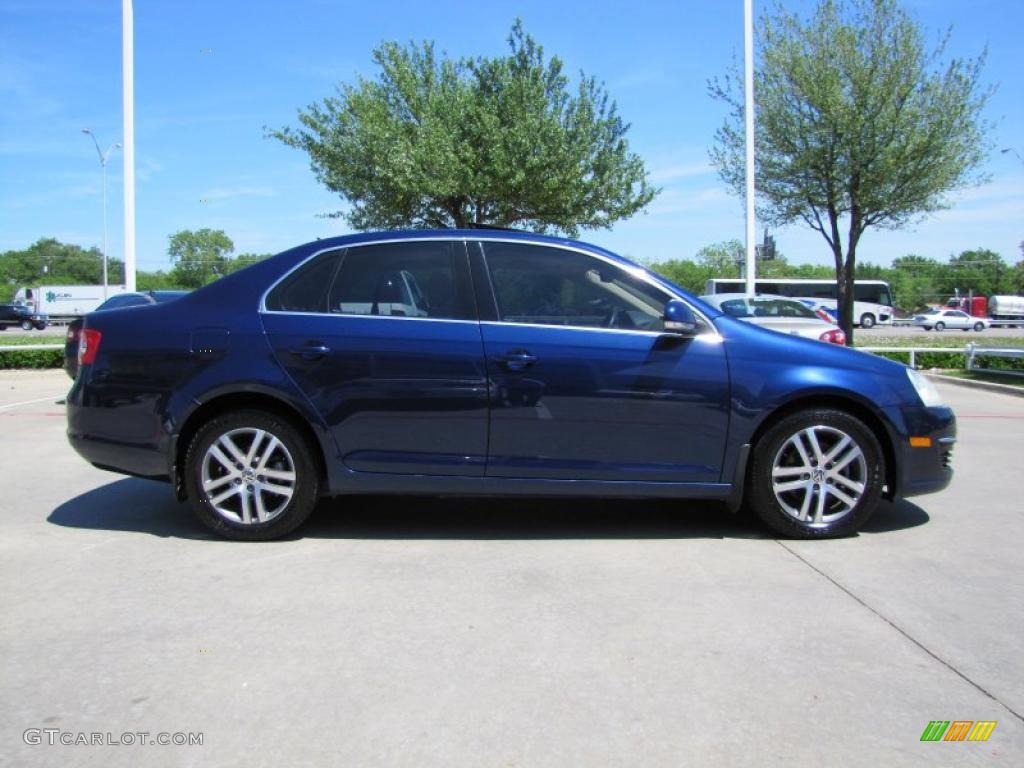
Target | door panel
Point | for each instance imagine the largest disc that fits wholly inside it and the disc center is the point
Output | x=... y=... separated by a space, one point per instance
x=614 y=401
x=605 y=405
x=399 y=381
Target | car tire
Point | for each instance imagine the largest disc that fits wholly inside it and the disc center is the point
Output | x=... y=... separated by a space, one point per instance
x=867 y=320
x=979 y=327
x=229 y=491
x=26 y=325
x=821 y=502
x=940 y=326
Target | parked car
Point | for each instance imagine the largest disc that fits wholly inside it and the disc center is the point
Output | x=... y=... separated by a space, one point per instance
x=826 y=312
x=941 y=319
x=21 y=316
x=778 y=313
x=122 y=300
x=536 y=367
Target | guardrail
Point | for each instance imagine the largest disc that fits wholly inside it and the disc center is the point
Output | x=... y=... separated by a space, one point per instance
x=16 y=347
x=970 y=352
x=912 y=351
x=973 y=351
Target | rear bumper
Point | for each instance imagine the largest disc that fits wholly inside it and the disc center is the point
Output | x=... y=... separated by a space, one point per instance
x=125 y=438
x=928 y=466
x=126 y=458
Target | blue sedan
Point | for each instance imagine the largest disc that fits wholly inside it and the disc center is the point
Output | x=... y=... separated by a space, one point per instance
x=491 y=363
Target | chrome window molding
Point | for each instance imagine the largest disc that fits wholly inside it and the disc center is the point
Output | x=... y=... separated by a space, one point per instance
x=636 y=271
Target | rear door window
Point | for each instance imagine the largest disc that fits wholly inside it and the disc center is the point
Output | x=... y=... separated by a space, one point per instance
x=417 y=279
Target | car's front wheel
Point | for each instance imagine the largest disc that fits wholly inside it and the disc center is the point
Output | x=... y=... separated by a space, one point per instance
x=816 y=474
x=26 y=325
x=979 y=326
x=251 y=475
x=867 y=320
x=940 y=326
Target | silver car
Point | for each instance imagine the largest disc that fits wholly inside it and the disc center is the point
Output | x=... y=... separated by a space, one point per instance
x=778 y=313
x=940 y=319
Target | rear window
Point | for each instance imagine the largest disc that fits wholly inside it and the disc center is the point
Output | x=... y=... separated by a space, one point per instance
x=305 y=289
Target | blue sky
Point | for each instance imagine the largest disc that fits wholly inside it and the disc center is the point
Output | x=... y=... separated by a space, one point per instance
x=200 y=116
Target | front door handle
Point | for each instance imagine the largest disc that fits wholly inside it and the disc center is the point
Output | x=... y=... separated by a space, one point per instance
x=310 y=351
x=517 y=360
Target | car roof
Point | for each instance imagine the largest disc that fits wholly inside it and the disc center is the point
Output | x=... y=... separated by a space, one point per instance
x=491 y=234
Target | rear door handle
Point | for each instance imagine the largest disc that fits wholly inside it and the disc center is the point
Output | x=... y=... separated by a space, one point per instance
x=517 y=360
x=310 y=351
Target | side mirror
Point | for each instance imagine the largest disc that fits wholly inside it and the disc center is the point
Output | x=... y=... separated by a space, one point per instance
x=679 y=319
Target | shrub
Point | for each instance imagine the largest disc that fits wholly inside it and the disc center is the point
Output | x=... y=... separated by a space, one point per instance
x=32 y=358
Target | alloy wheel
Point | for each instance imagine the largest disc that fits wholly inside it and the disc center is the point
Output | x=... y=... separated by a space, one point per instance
x=819 y=474
x=248 y=476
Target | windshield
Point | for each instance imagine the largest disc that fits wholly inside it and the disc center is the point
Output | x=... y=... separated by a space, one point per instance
x=761 y=307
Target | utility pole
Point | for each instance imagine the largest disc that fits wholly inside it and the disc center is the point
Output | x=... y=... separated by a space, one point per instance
x=748 y=112
x=104 y=156
x=128 y=88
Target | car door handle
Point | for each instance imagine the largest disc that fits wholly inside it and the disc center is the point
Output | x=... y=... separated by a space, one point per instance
x=517 y=360
x=310 y=351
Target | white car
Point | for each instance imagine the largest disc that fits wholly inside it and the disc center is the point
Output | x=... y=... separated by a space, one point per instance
x=778 y=313
x=940 y=319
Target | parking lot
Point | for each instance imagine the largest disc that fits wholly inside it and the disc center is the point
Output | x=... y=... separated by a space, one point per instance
x=424 y=631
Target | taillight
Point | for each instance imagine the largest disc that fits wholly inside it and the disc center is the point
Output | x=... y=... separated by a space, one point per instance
x=88 y=346
x=834 y=336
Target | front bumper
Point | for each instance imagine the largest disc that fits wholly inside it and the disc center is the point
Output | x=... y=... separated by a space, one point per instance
x=924 y=450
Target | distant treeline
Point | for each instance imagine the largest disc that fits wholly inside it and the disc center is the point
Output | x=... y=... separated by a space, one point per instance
x=199 y=257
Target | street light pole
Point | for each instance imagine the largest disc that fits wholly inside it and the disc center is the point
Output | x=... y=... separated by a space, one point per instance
x=748 y=113
x=104 y=156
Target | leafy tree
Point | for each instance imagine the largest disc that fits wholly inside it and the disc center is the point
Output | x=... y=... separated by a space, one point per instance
x=687 y=274
x=243 y=260
x=980 y=270
x=434 y=142
x=723 y=258
x=51 y=262
x=858 y=125
x=199 y=257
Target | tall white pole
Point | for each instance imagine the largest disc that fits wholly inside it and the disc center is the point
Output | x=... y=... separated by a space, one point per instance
x=128 y=69
x=748 y=111
x=104 y=229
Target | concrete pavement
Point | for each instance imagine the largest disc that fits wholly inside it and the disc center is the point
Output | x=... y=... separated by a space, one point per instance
x=426 y=632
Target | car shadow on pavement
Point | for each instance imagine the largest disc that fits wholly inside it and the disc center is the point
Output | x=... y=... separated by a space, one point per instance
x=150 y=507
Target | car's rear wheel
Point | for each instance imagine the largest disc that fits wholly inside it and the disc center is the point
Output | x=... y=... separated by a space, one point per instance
x=816 y=474
x=250 y=475
x=940 y=326
x=26 y=325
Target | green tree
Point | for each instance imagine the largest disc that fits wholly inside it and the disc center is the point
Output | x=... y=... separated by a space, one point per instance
x=435 y=142
x=243 y=260
x=723 y=259
x=51 y=262
x=1017 y=276
x=859 y=125
x=199 y=257
x=980 y=270
x=687 y=274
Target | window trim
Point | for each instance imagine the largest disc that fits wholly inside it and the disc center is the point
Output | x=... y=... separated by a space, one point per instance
x=638 y=272
x=461 y=265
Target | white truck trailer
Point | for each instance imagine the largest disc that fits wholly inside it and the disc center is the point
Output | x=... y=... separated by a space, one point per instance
x=59 y=301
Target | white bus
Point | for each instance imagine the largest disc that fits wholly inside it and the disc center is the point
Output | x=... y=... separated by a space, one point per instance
x=872 y=298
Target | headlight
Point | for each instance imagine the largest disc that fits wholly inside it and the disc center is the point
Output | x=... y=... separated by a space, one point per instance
x=925 y=389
